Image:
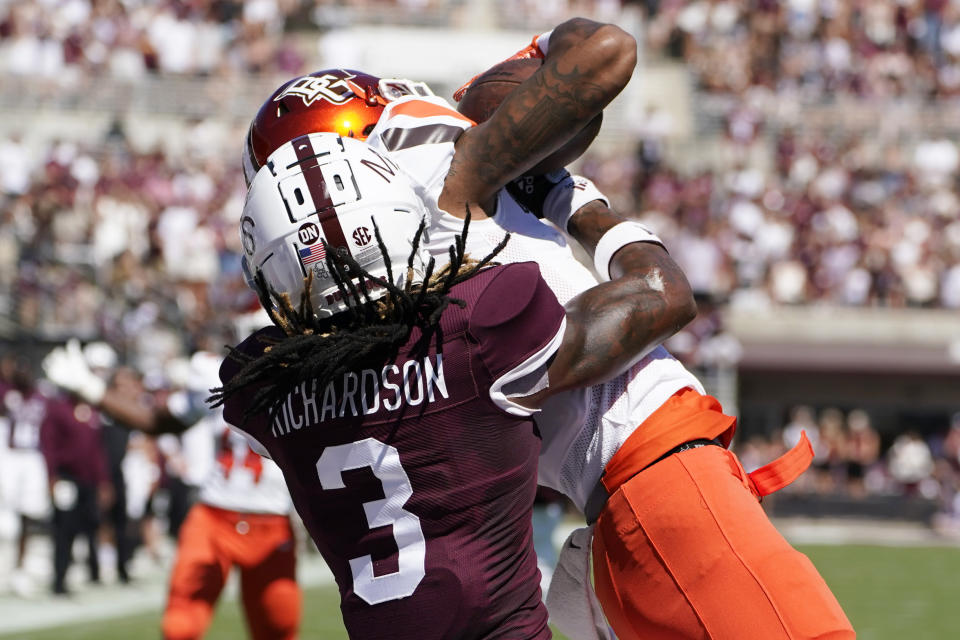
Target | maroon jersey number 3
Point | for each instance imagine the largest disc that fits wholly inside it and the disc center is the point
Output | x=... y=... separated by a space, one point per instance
x=416 y=479
x=384 y=461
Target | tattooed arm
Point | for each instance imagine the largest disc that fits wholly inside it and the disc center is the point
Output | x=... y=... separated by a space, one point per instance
x=609 y=325
x=587 y=65
x=650 y=263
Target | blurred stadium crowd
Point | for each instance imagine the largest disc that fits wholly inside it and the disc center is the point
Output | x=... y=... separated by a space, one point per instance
x=867 y=49
x=138 y=248
x=851 y=460
x=838 y=221
x=131 y=39
x=842 y=207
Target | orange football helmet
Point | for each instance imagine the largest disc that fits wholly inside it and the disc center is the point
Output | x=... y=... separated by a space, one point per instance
x=339 y=101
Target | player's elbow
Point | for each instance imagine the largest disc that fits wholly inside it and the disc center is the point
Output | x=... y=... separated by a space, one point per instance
x=683 y=306
x=614 y=54
x=680 y=303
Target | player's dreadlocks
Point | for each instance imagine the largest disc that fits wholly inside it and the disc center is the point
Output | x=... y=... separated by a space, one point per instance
x=369 y=333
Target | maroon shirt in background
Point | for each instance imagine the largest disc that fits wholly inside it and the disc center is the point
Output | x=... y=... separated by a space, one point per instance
x=71 y=443
x=432 y=500
x=24 y=409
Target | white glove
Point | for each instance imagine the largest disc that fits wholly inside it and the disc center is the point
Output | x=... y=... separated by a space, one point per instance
x=67 y=368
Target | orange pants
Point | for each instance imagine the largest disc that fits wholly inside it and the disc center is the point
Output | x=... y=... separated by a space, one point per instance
x=211 y=542
x=684 y=550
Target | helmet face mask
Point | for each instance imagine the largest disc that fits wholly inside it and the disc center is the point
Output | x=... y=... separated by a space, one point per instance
x=323 y=192
x=395 y=88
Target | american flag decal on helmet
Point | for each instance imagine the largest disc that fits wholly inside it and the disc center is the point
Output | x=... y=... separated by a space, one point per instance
x=311 y=254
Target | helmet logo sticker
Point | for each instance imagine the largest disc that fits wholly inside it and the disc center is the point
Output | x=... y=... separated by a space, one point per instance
x=308 y=233
x=362 y=236
x=386 y=168
x=326 y=87
x=311 y=254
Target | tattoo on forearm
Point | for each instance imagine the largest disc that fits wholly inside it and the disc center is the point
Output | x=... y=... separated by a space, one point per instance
x=588 y=64
x=539 y=117
x=573 y=30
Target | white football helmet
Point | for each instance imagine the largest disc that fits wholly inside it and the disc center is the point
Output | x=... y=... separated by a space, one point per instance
x=324 y=187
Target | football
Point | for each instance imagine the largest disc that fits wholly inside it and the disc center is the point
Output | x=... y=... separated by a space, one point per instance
x=490 y=88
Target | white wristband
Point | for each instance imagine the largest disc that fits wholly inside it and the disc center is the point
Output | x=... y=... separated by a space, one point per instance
x=615 y=239
x=542 y=41
x=566 y=198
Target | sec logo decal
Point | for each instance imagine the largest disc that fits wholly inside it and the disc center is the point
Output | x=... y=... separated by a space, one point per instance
x=362 y=236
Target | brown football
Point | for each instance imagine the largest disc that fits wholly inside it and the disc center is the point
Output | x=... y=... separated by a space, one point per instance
x=492 y=86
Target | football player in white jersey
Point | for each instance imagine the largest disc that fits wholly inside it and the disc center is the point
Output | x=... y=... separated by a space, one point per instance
x=641 y=454
x=242 y=514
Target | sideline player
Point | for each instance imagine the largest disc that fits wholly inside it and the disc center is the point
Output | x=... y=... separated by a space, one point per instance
x=241 y=517
x=655 y=412
x=72 y=445
x=24 y=486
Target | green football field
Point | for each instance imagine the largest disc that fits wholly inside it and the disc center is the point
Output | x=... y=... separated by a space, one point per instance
x=888 y=592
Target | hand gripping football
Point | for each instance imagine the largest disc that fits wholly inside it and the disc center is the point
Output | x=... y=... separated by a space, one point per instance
x=488 y=90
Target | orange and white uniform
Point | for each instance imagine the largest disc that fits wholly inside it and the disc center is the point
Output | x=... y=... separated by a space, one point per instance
x=241 y=519
x=681 y=547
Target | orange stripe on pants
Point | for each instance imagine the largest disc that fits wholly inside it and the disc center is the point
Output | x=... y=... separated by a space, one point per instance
x=684 y=550
x=211 y=542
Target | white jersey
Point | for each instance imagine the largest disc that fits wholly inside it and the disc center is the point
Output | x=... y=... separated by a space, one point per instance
x=24 y=415
x=581 y=429
x=229 y=474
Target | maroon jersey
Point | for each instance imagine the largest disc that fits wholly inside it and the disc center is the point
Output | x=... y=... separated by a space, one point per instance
x=417 y=480
x=25 y=411
x=71 y=441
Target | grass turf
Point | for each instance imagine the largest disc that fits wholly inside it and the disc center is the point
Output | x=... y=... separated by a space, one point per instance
x=893 y=593
x=888 y=593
